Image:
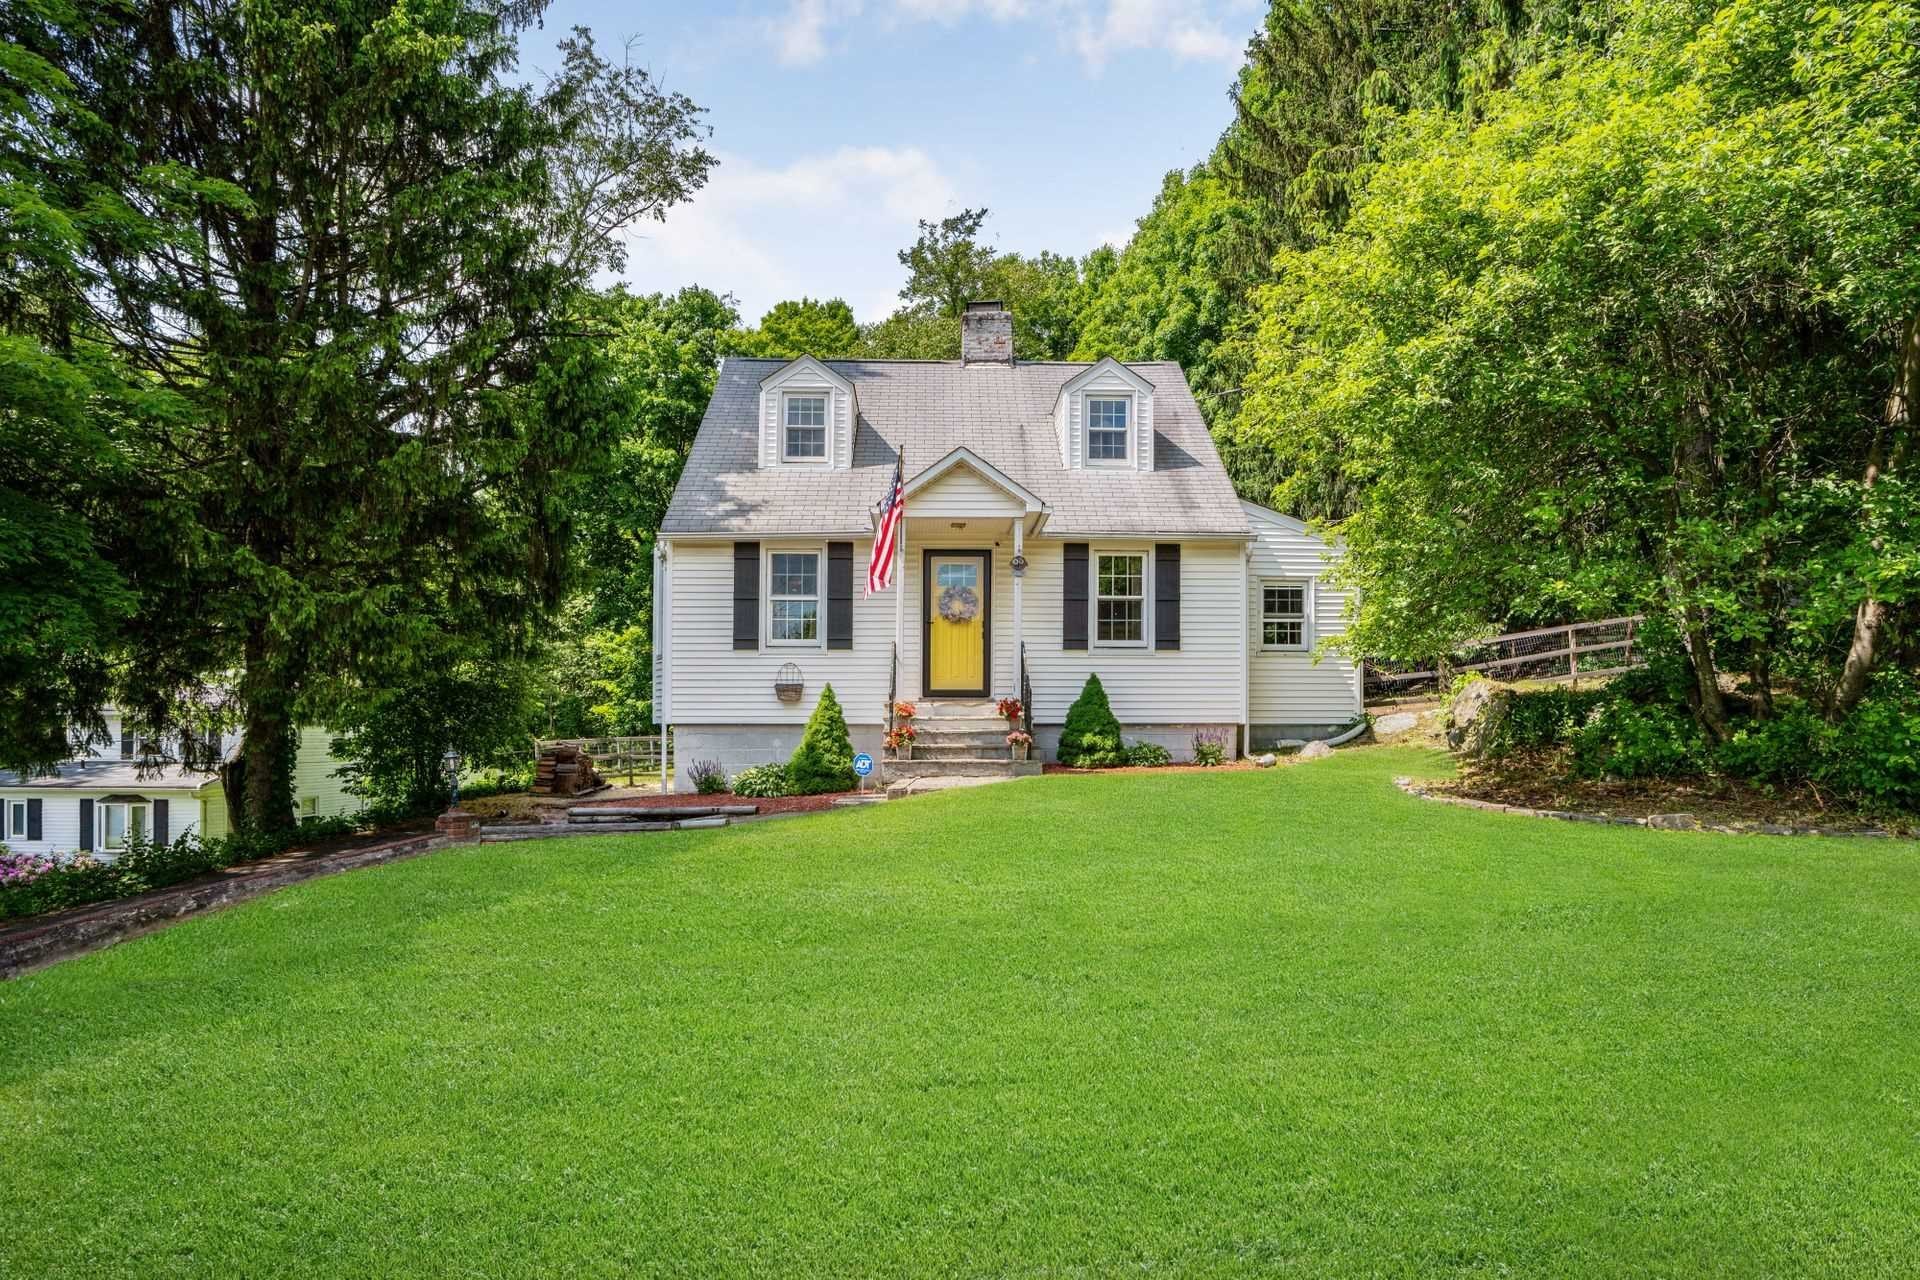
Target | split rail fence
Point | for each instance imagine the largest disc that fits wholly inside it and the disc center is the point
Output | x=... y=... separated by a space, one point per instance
x=630 y=759
x=1571 y=652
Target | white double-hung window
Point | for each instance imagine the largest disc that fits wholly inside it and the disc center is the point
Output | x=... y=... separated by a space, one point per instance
x=793 y=597
x=1109 y=427
x=804 y=427
x=1120 y=598
x=122 y=822
x=1283 y=615
x=17 y=819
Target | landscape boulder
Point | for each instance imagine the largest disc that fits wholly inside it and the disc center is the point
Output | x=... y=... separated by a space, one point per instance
x=1393 y=725
x=1315 y=751
x=1475 y=716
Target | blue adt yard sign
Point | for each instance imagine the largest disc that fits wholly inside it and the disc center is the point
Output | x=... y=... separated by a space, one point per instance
x=863 y=764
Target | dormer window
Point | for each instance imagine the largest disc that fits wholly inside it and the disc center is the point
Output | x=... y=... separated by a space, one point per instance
x=1108 y=428
x=805 y=429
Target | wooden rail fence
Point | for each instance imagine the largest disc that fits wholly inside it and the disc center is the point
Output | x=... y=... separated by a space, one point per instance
x=1569 y=652
x=628 y=758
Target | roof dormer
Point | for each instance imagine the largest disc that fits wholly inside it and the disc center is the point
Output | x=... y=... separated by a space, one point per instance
x=807 y=412
x=1105 y=420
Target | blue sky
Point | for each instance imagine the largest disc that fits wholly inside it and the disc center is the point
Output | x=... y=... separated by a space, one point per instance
x=839 y=122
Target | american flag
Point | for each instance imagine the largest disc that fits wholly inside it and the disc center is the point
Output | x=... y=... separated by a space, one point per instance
x=880 y=567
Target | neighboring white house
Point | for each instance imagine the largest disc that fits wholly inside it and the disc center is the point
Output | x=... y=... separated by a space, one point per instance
x=98 y=802
x=1061 y=519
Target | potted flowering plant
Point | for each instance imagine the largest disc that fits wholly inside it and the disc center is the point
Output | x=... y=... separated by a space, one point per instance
x=1009 y=709
x=1021 y=741
x=900 y=740
x=905 y=711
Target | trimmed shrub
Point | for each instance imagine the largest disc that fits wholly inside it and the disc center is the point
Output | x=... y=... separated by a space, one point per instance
x=1090 y=739
x=708 y=777
x=762 y=782
x=1872 y=758
x=1148 y=755
x=823 y=761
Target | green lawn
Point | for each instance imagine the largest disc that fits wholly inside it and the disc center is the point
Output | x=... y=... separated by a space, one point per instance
x=1280 y=1022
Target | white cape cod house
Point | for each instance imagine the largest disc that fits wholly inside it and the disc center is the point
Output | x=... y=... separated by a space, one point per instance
x=1061 y=519
x=114 y=793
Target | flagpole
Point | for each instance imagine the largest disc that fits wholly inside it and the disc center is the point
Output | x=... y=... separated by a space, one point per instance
x=900 y=563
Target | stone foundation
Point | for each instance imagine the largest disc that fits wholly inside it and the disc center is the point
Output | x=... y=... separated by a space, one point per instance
x=1176 y=738
x=738 y=747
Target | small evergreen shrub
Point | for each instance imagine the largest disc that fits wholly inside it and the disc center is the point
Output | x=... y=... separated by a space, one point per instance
x=762 y=782
x=1148 y=755
x=708 y=777
x=1090 y=739
x=1209 y=748
x=823 y=761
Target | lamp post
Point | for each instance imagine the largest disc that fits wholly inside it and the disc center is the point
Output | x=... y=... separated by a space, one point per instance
x=452 y=761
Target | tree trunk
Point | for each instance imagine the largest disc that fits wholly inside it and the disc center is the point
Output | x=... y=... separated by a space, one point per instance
x=1709 y=704
x=1693 y=471
x=268 y=744
x=1870 y=617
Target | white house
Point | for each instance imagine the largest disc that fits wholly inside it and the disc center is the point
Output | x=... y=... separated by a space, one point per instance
x=1061 y=519
x=99 y=801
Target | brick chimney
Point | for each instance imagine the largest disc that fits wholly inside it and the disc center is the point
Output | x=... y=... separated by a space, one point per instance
x=986 y=334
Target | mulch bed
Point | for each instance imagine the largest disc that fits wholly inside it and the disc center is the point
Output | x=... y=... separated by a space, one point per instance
x=682 y=800
x=1540 y=780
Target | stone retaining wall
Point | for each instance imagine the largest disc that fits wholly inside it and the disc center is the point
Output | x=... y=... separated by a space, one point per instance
x=1655 y=821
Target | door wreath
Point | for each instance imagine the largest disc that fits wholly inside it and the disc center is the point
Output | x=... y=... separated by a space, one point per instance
x=959 y=604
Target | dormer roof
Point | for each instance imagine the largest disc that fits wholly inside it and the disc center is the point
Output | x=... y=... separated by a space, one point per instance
x=1097 y=371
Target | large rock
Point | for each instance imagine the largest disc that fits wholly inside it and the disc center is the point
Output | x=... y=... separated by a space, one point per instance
x=1315 y=751
x=1393 y=725
x=1475 y=716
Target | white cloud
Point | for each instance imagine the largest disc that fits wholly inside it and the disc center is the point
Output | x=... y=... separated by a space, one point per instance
x=805 y=228
x=800 y=34
x=1127 y=25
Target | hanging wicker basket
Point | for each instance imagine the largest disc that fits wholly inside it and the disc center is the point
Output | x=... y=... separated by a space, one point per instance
x=788 y=684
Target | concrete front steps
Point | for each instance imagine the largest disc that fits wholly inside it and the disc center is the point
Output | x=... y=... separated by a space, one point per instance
x=957 y=738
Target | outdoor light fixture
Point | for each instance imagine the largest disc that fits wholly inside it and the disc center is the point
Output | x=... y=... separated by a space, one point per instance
x=452 y=761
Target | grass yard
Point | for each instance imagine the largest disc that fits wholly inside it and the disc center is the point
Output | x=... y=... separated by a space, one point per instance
x=1286 y=1022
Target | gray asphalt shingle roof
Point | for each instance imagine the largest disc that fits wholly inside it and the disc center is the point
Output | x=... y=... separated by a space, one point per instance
x=123 y=775
x=1003 y=414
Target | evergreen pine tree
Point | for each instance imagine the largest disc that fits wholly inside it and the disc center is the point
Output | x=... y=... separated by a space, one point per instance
x=1091 y=737
x=823 y=761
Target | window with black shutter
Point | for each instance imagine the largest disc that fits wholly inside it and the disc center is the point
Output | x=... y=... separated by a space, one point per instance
x=746 y=595
x=1166 y=595
x=839 y=595
x=1073 y=604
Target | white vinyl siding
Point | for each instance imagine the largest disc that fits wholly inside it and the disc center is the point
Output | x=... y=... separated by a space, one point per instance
x=1199 y=683
x=316 y=791
x=711 y=682
x=1285 y=685
x=961 y=493
x=60 y=816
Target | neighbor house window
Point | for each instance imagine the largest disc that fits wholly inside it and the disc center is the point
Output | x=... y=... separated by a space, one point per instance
x=1107 y=429
x=806 y=429
x=17 y=819
x=793 y=589
x=1120 y=599
x=1283 y=615
x=121 y=823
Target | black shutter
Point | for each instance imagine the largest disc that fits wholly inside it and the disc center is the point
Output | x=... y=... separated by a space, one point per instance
x=839 y=595
x=746 y=595
x=33 y=819
x=1073 y=604
x=1166 y=595
x=159 y=822
x=86 y=826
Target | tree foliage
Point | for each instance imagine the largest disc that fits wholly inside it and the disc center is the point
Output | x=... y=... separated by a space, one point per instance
x=1090 y=737
x=1642 y=338
x=351 y=247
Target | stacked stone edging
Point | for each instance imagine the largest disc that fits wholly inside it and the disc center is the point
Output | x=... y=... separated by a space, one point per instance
x=39 y=941
x=1654 y=821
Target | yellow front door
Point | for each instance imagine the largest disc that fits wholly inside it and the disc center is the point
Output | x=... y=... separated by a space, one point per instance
x=957 y=623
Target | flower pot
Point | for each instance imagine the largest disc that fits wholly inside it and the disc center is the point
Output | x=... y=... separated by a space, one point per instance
x=903 y=752
x=1020 y=749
